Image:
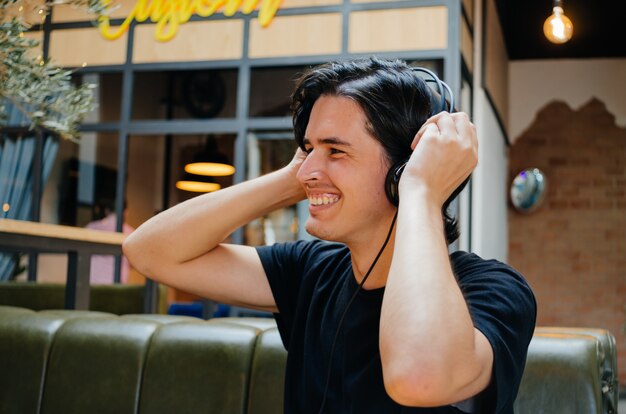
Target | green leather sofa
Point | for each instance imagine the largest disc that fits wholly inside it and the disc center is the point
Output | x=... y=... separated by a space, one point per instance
x=118 y=299
x=60 y=361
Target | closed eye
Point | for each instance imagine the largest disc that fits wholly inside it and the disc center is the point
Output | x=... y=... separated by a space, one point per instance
x=335 y=151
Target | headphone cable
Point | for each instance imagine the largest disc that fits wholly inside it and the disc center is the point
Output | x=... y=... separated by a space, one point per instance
x=345 y=311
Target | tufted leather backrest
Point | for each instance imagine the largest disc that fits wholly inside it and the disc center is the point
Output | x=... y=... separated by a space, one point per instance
x=562 y=375
x=25 y=343
x=607 y=360
x=93 y=362
x=118 y=299
x=267 y=378
x=192 y=367
x=96 y=366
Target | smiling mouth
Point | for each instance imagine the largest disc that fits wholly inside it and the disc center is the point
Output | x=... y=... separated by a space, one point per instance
x=323 y=199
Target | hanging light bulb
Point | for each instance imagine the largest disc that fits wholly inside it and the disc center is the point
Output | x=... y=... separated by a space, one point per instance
x=558 y=28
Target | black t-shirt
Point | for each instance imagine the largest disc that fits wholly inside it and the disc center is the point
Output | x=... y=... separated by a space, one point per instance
x=312 y=283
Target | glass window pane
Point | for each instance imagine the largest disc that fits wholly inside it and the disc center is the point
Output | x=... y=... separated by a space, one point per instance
x=144 y=186
x=435 y=65
x=197 y=94
x=269 y=151
x=81 y=186
x=107 y=95
x=186 y=149
x=155 y=164
x=81 y=191
x=271 y=89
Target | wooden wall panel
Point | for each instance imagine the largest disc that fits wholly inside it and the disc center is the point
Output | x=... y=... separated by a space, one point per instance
x=30 y=11
x=289 y=4
x=73 y=47
x=468 y=5
x=496 y=65
x=66 y=13
x=195 y=41
x=370 y=1
x=467 y=45
x=313 y=34
x=388 y=30
x=36 y=52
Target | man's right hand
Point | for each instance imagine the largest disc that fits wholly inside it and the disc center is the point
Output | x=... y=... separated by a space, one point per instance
x=296 y=162
x=182 y=247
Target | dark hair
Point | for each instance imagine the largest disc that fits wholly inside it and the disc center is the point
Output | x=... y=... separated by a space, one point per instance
x=394 y=99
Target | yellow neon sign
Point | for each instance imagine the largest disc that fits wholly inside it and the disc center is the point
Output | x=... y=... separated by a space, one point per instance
x=170 y=14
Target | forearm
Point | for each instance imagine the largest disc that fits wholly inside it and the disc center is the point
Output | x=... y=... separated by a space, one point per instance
x=196 y=226
x=426 y=332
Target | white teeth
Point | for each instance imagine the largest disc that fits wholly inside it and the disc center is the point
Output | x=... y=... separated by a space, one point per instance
x=322 y=200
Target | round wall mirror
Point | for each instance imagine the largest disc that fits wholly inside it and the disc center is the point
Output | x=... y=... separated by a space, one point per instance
x=528 y=190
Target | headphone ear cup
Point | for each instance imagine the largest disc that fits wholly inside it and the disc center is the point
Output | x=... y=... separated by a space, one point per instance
x=392 y=182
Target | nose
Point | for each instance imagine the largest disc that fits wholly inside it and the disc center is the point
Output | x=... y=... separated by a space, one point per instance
x=311 y=168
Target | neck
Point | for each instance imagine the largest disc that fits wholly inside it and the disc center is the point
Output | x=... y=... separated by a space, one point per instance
x=364 y=254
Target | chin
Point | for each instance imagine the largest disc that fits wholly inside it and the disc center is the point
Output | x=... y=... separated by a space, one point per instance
x=320 y=231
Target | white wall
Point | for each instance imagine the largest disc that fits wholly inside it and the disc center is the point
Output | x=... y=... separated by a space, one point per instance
x=533 y=84
x=489 y=187
x=489 y=199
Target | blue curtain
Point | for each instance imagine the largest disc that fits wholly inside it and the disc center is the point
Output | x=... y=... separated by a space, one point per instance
x=16 y=181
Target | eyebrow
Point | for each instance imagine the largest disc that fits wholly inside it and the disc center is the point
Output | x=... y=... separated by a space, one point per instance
x=329 y=141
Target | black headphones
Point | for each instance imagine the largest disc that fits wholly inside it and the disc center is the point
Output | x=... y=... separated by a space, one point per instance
x=438 y=103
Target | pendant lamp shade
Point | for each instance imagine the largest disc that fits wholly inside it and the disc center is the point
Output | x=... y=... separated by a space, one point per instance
x=197 y=183
x=210 y=162
x=205 y=164
x=197 y=186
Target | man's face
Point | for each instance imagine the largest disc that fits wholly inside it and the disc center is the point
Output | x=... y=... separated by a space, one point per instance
x=344 y=174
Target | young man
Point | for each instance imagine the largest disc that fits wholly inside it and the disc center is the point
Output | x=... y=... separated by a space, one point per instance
x=427 y=332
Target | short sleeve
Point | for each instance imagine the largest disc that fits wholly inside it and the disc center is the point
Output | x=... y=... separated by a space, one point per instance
x=284 y=265
x=503 y=308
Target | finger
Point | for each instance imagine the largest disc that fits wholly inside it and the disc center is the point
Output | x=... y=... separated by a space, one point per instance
x=447 y=126
x=415 y=141
x=430 y=128
x=437 y=116
x=432 y=119
x=465 y=127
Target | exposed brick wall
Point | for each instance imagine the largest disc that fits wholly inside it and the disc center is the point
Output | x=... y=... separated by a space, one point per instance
x=573 y=249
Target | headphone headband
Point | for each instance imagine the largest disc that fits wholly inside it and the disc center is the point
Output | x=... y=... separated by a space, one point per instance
x=438 y=100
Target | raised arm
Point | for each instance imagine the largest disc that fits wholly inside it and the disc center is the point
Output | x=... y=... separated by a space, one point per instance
x=431 y=353
x=181 y=246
